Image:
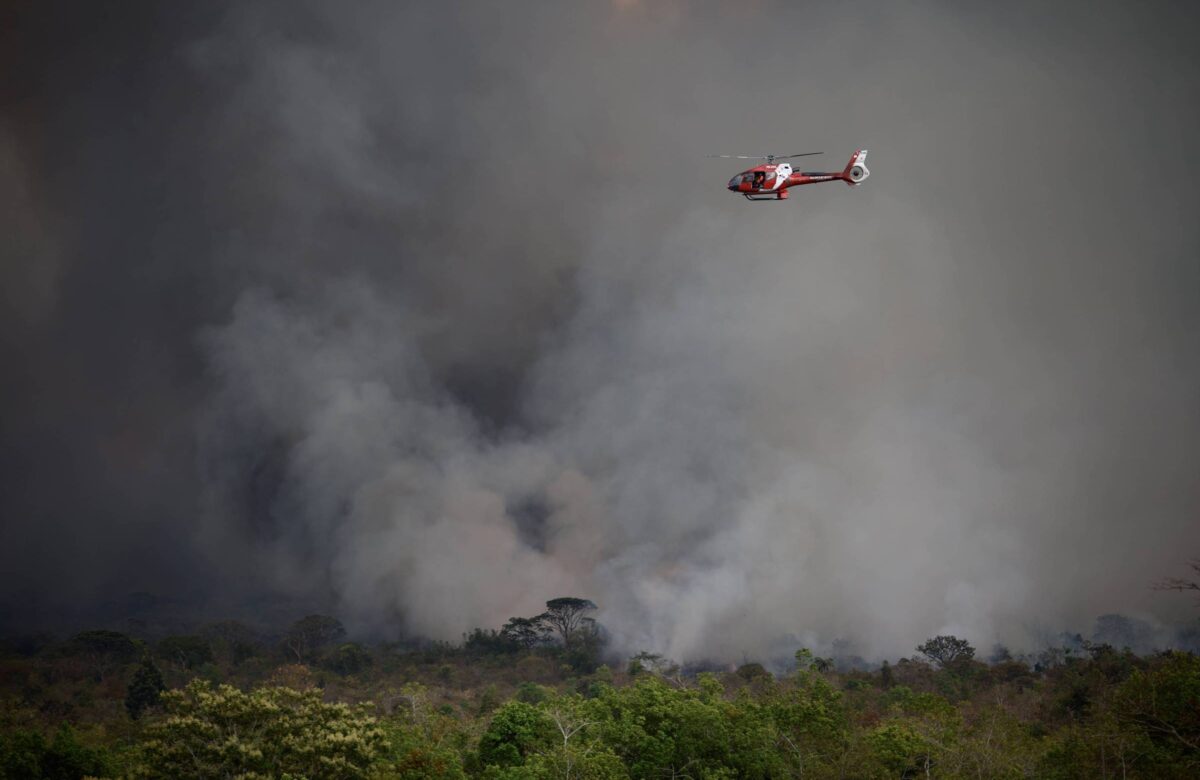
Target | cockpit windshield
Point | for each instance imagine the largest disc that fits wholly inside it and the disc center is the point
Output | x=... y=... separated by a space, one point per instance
x=753 y=180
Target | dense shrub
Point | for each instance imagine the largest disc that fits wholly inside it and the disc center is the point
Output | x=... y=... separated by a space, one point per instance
x=223 y=732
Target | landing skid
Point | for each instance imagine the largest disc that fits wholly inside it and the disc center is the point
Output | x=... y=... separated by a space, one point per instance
x=748 y=196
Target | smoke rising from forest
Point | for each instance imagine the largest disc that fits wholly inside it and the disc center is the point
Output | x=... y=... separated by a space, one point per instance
x=430 y=314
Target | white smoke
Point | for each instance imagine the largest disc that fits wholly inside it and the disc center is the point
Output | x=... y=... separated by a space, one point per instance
x=740 y=425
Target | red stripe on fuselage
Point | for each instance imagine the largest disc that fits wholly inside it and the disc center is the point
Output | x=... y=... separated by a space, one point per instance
x=797 y=179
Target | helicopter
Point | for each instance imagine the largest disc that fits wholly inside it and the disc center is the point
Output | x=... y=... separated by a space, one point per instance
x=772 y=180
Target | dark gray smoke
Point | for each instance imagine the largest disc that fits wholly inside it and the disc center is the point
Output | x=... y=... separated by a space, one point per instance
x=428 y=314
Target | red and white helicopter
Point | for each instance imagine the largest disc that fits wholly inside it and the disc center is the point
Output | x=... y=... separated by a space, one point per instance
x=771 y=181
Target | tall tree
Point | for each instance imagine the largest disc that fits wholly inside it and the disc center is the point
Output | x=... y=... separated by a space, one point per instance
x=232 y=639
x=105 y=650
x=946 y=650
x=1123 y=632
x=566 y=616
x=526 y=632
x=311 y=633
x=187 y=652
x=144 y=689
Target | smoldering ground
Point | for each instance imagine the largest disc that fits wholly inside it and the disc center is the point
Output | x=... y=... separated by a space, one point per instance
x=430 y=313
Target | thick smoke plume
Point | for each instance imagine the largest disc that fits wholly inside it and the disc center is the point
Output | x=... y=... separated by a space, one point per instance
x=429 y=314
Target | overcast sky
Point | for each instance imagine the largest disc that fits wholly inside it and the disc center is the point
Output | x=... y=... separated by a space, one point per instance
x=427 y=313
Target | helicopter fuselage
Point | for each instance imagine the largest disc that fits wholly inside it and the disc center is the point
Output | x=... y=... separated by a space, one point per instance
x=772 y=181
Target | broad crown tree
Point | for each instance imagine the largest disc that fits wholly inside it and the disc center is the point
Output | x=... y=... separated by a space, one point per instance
x=566 y=616
x=311 y=633
x=946 y=650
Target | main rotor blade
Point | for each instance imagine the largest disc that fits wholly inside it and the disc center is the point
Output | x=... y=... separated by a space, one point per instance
x=763 y=156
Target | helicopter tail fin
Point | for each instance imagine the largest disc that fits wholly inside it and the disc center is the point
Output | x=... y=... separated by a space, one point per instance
x=856 y=170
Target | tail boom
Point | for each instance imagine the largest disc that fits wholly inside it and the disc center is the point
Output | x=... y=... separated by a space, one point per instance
x=854 y=174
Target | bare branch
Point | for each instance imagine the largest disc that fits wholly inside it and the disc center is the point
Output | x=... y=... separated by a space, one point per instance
x=1179 y=583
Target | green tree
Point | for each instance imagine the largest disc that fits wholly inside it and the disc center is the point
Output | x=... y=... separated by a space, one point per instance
x=484 y=643
x=516 y=731
x=349 y=658
x=104 y=650
x=645 y=661
x=592 y=762
x=995 y=743
x=414 y=752
x=310 y=634
x=269 y=732
x=1163 y=703
x=186 y=652
x=21 y=754
x=583 y=655
x=525 y=632
x=899 y=750
x=232 y=639
x=576 y=750
x=26 y=754
x=567 y=616
x=810 y=721
x=753 y=671
x=806 y=661
x=144 y=689
x=532 y=693
x=661 y=731
x=922 y=731
x=946 y=650
x=489 y=699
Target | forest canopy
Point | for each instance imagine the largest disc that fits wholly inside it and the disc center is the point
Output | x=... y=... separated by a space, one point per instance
x=545 y=697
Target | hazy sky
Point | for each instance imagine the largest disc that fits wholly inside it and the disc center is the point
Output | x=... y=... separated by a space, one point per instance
x=427 y=313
